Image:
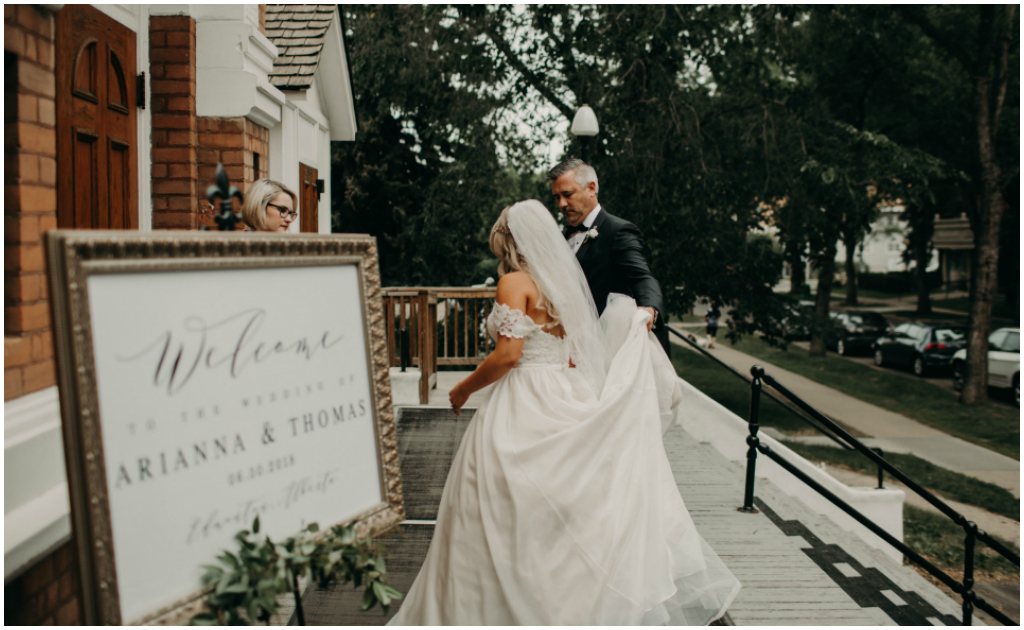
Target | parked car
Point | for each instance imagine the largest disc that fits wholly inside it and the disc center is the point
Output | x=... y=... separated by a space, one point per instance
x=856 y=331
x=1003 y=362
x=922 y=347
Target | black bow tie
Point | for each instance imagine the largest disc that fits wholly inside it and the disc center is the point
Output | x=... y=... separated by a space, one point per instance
x=572 y=229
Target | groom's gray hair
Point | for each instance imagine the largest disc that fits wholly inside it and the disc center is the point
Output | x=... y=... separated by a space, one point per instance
x=583 y=173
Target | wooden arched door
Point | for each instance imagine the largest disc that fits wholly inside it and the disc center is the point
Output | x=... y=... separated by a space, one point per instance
x=97 y=153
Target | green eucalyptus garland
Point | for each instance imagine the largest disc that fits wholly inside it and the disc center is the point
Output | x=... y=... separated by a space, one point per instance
x=247 y=583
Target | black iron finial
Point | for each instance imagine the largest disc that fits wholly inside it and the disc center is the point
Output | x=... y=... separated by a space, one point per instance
x=226 y=219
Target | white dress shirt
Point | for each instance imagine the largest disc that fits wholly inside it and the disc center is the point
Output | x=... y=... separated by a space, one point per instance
x=576 y=240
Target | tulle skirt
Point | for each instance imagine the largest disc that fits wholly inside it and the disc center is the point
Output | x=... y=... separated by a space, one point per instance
x=560 y=508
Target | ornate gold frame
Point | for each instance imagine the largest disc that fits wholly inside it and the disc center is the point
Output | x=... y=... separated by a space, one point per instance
x=73 y=256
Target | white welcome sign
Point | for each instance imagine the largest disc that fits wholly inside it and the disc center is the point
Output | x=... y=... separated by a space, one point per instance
x=222 y=389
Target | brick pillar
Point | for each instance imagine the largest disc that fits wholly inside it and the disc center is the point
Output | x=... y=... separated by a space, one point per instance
x=30 y=196
x=257 y=142
x=172 y=56
x=47 y=593
x=235 y=143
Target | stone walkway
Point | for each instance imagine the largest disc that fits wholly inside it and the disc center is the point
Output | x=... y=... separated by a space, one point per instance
x=889 y=431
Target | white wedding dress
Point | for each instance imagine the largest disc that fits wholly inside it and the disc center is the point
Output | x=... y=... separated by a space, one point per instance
x=560 y=507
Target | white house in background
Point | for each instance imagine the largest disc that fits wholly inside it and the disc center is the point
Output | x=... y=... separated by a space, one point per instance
x=117 y=117
x=883 y=247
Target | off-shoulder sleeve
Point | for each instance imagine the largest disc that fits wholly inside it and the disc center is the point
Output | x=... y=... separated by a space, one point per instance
x=512 y=322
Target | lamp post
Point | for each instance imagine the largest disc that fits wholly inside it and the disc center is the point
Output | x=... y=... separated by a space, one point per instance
x=584 y=125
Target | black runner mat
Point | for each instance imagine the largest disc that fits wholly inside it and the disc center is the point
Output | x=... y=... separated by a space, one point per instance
x=427 y=442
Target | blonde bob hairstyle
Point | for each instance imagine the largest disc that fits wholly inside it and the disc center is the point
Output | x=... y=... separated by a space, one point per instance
x=254 y=209
x=503 y=245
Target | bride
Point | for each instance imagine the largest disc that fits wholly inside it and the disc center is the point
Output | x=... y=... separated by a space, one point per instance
x=560 y=507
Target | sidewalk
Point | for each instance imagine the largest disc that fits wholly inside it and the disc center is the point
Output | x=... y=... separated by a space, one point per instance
x=889 y=431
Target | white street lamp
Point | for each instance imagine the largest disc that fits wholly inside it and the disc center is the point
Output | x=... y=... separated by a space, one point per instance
x=584 y=123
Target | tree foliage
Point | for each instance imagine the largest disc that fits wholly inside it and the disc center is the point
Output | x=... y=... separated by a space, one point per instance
x=424 y=175
x=717 y=122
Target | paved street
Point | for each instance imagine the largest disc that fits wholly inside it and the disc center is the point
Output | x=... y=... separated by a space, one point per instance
x=889 y=431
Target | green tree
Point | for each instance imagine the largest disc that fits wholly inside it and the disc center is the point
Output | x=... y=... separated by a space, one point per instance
x=672 y=155
x=717 y=122
x=835 y=156
x=423 y=175
x=981 y=39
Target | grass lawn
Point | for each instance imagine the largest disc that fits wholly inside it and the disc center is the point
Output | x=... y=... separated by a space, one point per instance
x=840 y=293
x=944 y=318
x=948 y=484
x=942 y=542
x=686 y=319
x=839 y=300
x=1000 y=309
x=991 y=425
x=729 y=391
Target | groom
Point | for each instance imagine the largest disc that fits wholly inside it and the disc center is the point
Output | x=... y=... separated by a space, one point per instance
x=609 y=248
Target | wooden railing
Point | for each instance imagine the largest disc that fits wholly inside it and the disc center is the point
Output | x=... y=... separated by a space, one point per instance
x=446 y=326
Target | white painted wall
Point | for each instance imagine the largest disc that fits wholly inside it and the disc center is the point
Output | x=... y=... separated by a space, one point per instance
x=37 y=515
x=303 y=136
x=324 y=158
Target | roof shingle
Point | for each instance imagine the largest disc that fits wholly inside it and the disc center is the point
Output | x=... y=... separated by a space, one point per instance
x=298 y=32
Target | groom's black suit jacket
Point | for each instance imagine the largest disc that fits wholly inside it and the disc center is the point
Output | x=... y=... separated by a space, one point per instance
x=614 y=263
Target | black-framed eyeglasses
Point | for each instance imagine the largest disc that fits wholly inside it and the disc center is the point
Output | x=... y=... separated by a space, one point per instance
x=283 y=211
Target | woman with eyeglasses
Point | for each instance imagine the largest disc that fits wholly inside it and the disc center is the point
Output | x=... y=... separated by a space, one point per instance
x=269 y=206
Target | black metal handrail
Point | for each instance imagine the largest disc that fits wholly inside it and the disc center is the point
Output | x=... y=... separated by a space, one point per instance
x=971 y=532
x=809 y=421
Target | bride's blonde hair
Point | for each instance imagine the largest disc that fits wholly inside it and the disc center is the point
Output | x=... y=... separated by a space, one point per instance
x=503 y=244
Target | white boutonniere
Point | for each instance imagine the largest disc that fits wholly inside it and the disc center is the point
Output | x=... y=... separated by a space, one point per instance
x=591 y=234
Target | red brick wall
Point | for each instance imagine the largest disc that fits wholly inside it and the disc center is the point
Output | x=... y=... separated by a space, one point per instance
x=46 y=594
x=257 y=140
x=172 y=57
x=30 y=196
x=233 y=143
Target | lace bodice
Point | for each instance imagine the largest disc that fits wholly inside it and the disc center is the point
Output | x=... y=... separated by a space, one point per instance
x=539 y=347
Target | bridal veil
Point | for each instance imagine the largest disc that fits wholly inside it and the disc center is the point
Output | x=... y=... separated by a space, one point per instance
x=558 y=274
